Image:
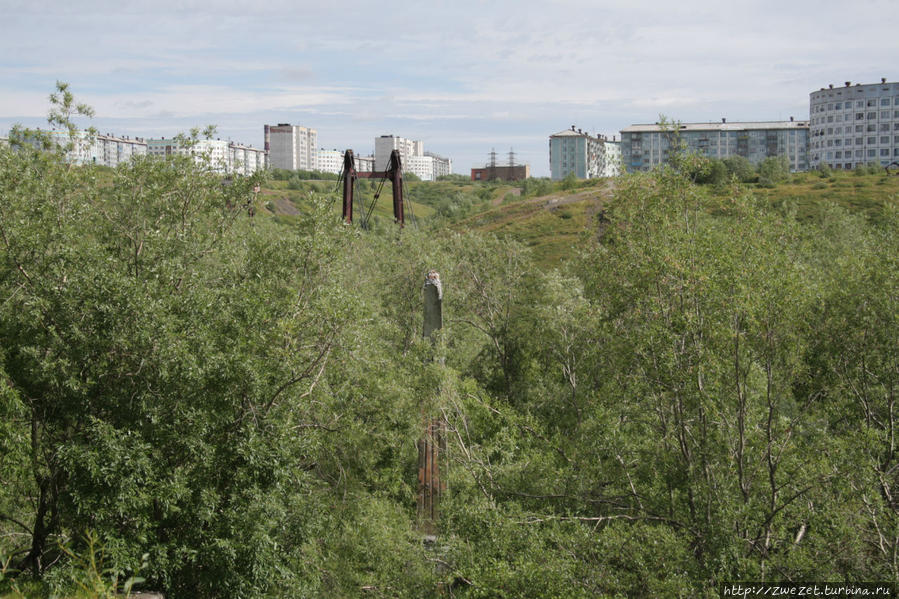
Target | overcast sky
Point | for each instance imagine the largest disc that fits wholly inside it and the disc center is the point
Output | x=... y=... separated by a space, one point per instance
x=463 y=76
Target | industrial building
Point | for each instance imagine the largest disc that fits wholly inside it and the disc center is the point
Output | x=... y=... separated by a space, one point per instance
x=492 y=171
x=854 y=125
x=291 y=147
x=644 y=147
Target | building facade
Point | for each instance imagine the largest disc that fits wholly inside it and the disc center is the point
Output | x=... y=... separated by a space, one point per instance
x=854 y=125
x=515 y=172
x=291 y=147
x=644 y=147
x=364 y=164
x=576 y=152
x=100 y=149
x=221 y=156
x=331 y=161
x=427 y=166
x=386 y=144
x=246 y=160
x=611 y=160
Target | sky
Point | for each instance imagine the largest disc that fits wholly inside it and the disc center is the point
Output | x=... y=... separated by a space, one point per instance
x=465 y=77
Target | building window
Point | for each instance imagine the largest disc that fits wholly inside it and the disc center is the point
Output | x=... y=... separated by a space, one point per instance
x=884 y=101
x=885 y=139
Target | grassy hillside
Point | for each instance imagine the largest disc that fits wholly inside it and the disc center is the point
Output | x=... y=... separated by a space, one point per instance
x=551 y=224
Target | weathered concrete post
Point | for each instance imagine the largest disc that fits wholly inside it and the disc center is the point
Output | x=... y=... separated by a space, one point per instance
x=433 y=444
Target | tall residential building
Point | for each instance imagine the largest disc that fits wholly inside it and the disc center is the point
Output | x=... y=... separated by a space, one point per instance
x=386 y=144
x=427 y=166
x=291 y=147
x=854 y=125
x=644 y=147
x=574 y=151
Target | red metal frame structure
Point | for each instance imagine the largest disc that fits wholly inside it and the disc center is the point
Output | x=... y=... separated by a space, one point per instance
x=394 y=173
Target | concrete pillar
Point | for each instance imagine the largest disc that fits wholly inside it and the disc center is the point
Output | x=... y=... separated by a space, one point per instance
x=433 y=444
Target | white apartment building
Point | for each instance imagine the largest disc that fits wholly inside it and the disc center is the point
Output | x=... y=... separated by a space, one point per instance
x=427 y=166
x=854 y=125
x=101 y=149
x=331 y=161
x=611 y=162
x=291 y=147
x=441 y=166
x=364 y=164
x=214 y=151
x=222 y=156
x=386 y=144
x=246 y=160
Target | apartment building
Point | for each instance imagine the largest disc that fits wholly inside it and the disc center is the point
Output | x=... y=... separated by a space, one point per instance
x=574 y=151
x=221 y=156
x=386 y=144
x=331 y=161
x=364 y=164
x=427 y=166
x=291 y=147
x=246 y=160
x=854 y=125
x=100 y=149
x=611 y=164
x=644 y=147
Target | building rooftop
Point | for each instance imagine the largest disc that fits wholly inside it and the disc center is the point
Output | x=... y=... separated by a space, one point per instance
x=572 y=133
x=711 y=126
